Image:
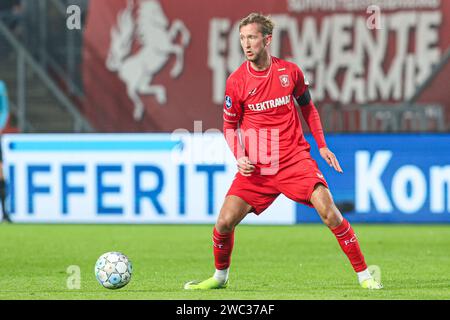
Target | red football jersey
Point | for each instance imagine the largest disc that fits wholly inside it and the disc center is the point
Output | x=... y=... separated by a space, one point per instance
x=262 y=103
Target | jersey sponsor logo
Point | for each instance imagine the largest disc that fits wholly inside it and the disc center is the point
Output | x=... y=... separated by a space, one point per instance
x=228 y=102
x=284 y=79
x=269 y=104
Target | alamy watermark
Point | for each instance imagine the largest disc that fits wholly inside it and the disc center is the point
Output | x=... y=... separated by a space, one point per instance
x=74 y=277
x=73 y=21
x=374 y=21
x=375 y=272
x=261 y=146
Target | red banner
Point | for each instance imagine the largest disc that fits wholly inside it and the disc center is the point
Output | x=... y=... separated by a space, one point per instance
x=154 y=65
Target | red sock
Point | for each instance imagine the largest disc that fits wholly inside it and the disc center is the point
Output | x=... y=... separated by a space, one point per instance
x=223 y=246
x=349 y=243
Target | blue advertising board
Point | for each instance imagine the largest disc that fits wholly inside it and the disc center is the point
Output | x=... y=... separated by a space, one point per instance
x=183 y=178
x=122 y=178
x=387 y=177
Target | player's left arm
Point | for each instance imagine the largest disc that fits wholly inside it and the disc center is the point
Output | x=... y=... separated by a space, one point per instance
x=312 y=118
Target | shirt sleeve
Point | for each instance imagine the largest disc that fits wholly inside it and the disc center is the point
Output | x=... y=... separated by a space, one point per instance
x=307 y=107
x=232 y=114
x=232 y=109
x=312 y=118
x=301 y=84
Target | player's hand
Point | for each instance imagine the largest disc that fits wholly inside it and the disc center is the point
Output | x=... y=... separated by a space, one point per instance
x=331 y=159
x=245 y=167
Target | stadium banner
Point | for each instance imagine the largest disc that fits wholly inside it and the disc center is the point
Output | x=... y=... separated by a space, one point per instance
x=147 y=62
x=183 y=178
x=123 y=178
x=388 y=178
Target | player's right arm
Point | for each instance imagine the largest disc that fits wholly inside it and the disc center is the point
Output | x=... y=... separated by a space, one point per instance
x=232 y=116
x=312 y=118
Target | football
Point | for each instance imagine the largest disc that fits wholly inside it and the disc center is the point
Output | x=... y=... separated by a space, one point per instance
x=113 y=270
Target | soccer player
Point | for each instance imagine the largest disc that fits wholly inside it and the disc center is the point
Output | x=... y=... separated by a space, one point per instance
x=259 y=101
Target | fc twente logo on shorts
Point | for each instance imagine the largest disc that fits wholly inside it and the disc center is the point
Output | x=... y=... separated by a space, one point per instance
x=284 y=79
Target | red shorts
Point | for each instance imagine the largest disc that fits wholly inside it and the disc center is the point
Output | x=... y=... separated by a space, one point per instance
x=295 y=180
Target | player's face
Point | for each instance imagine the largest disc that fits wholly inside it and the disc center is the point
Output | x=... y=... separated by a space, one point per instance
x=253 y=42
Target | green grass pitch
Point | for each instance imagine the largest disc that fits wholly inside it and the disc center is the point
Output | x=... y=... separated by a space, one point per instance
x=269 y=262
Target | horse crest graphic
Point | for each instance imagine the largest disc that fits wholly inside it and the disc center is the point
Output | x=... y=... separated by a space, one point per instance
x=157 y=39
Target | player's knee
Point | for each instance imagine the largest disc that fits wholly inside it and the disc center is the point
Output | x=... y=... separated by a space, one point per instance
x=330 y=221
x=331 y=216
x=225 y=223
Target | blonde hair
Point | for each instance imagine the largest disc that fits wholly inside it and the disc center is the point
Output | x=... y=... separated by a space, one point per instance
x=265 y=23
